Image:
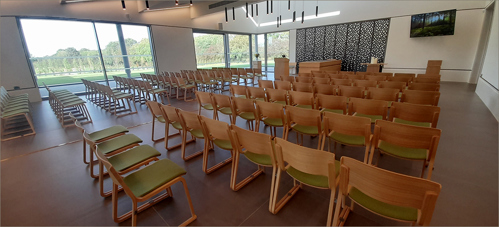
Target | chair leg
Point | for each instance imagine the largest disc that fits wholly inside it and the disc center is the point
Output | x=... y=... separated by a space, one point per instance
x=184 y=144
x=331 y=206
x=167 y=130
x=191 y=208
x=235 y=164
x=205 y=160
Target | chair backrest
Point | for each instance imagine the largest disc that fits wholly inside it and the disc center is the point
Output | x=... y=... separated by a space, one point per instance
x=301 y=98
x=282 y=85
x=256 y=92
x=301 y=116
x=155 y=108
x=220 y=101
x=384 y=74
x=307 y=160
x=332 y=102
x=320 y=75
x=376 y=78
x=270 y=110
x=276 y=95
x=254 y=142
x=364 y=73
x=368 y=107
x=240 y=105
x=393 y=84
x=430 y=79
x=345 y=82
x=318 y=80
x=189 y=120
x=346 y=72
x=365 y=83
x=115 y=176
x=214 y=129
x=349 y=91
x=390 y=187
x=355 y=77
x=303 y=79
x=421 y=97
x=386 y=94
x=287 y=78
x=305 y=74
x=334 y=76
x=203 y=97
x=325 y=89
x=424 y=86
x=348 y=125
x=169 y=113
x=303 y=87
x=266 y=84
x=415 y=112
x=237 y=90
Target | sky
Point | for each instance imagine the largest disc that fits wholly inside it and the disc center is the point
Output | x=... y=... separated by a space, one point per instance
x=45 y=37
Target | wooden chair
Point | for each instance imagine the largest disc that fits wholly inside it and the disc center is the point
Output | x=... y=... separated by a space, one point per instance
x=386 y=94
x=320 y=75
x=238 y=91
x=290 y=79
x=393 y=84
x=171 y=117
x=329 y=103
x=303 y=121
x=406 y=142
x=145 y=183
x=261 y=153
x=347 y=130
x=204 y=101
x=256 y=93
x=272 y=115
x=376 y=78
x=325 y=89
x=266 y=84
x=384 y=74
x=336 y=76
x=421 y=97
x=182 y=85
x=303 y=87
x=355 y=77
x=156 y=116
x=346 y=72
x=343 y=82
x=427 y=79
x=301 y=99
x=364 y=73
x=282 y=85
x=351 y=92
x=318 y=80
x=305 y=74
x=245 y=109
x=388 y=194
x=306 y=166
x=414 y=114
x=405 y=75
x=190 y=124
x=222 y=104
x=424 y=86
x=365 y=83
x=277 y=96
x=303 y=79
x=372 y=109
x=215 y=132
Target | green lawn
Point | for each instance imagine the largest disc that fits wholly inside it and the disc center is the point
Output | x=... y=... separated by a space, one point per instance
x=53 y=80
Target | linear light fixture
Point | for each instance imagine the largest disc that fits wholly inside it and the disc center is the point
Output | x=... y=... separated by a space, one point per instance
x=147 y=4
x=247 y=10
x=251 y=10
x=317 y=11
x=267 y=6
x=250 y=17
x=226 y=16
x=271 y=6
x=257 y=9
x=294 y=16
x=123 y=4
x=233 y=14
x=277 y=21
x=310 y=17
x=289 y=5
x=190 y=2
x=176 y=2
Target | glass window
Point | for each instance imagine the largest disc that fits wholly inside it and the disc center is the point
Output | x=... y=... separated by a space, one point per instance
x=209 y=50
x=259 y=48
x=277 y=46
x=111 y=50
x=239 y=51
x=138 y=49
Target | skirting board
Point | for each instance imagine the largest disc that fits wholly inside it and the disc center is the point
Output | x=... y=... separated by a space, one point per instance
x=489 y=95
x=447 y=75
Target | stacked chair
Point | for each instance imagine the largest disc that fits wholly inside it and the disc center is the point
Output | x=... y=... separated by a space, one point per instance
x=113 y=101
x=64 y=102
x=16 y=115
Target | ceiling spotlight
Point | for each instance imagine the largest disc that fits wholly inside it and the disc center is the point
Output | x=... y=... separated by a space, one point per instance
x=147 y=4
x=123 y=4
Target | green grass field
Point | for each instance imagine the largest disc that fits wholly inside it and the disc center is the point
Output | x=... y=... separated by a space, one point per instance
x=55 y=80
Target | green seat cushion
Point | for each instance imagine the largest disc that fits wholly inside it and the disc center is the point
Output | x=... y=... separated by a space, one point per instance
x=177 y=125
x=247 y=115
x=153 y=176
x=372 y=117
x=225 y=110
x=280 y=102
x=240 y=96
x=158 y=90
x=208 y=107
x=117 y=143
x=276 y=122
x=332 y=111
x=133 y=157
x=305 y=106
x=160 y=119
x=198 y=133
x=311 y=179
x=305 y=129
x=260 y=99
x=111 y=131
x=261 y=159
x=12 y=113
x=385 y=209
x=403 y=152
x=414 y=123
x=224 y=144
x=348 y=139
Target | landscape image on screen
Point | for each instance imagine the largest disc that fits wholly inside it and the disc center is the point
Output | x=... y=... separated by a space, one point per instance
x=433 y=24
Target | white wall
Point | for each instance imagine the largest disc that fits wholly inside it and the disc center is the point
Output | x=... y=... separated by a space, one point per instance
x=405 y=54
x=174 y=48
x=14 y=68
x=487 y=92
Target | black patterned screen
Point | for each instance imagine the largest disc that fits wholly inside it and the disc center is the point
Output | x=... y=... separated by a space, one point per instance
x=353 y=43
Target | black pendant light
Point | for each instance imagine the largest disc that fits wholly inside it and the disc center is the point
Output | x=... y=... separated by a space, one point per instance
x=176 y=2
x=280 y=19
x=294 y=16
x=257 y=9
x=123 y=4
x=190 y=2
x=247 y=13
x=289 y=5
x=251 y=10
x=271 y=6
x=317 y=11
x=226 y=16
x=233 y=14
x=302 y=16
x=277 y=21
x=147 y=5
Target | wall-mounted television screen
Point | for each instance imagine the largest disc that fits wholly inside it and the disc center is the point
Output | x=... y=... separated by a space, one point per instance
x=433 y=24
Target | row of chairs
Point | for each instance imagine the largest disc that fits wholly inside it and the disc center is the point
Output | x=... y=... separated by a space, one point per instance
x=244 y=73
x=422 y=78
x=315 y=167
x=371 y=82
x=113 y=101
x=16 y=116
x=124 y=158
x=308 y=94
x=64 y=102
x=141 y=90
x=177 y=84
